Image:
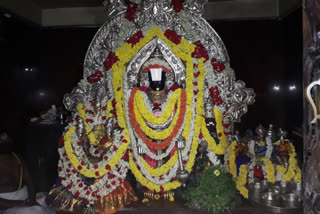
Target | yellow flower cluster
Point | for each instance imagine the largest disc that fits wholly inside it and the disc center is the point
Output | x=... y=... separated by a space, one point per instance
x=270 y=170
x=149 y=117
x=163 y=134
x=293 y=171
x=223 y=144
x=232 y=159
x=242 y=180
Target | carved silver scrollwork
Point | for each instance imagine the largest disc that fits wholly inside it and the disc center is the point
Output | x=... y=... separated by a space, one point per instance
x=72 y=99
x=114 y=7
x=197 y=6
x=241 y=97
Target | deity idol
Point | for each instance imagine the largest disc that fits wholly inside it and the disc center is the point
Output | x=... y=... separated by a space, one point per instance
x=157 y=84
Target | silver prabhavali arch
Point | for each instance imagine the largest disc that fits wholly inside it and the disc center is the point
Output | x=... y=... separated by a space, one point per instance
x=235 y=95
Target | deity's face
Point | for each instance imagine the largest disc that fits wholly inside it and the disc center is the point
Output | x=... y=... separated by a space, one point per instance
x=156 y=77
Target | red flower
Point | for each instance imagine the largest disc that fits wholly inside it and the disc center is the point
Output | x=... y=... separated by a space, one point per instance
x=226 y=126
x=215 y=95
x=79 y=143
x=93 y=78
x=173 y=36
x=258 y=173
x=108 y=167
x=200 y=51
x=89 y=120
x=177 y=5
x=61 y=142
x=156 y=105
x=135 y=38
x=113 y=183
x=126 y=156
x=104 y=108
x=219 y=134
x=96 y=152
x=144 y=89
x=200 y=136
x=77 y=194
x=227 y=133
x=97 y=173
x=108 y=186
x=174 y=87
x=80 y=185
x=79 y=167
x=131 y=10
x=196 y=74
x=111 y=59
x=110 y=176
x=219 y=67
x=95 y=166
x=59 y=169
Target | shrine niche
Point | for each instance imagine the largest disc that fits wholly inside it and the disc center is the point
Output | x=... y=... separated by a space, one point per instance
x=157 y=87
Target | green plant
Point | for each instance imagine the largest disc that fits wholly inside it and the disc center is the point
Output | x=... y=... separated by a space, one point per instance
x=215 y=192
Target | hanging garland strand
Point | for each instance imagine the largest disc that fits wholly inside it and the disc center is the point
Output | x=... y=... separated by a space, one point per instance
x=163 y=134
x=174 y=132
x=223 y=144
x=148 y=116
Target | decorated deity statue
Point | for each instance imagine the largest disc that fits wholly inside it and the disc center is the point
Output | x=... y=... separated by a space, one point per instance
x=157 y=86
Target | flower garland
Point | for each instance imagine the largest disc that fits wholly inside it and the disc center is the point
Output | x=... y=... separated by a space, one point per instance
x=293 y=170
x=270 y=171
x=145 y=182
x=217 y=149
x=242 y=180
x=141 y=128
x=232 y=159
x=166 y=113
x=169 y=136
x=96 y=173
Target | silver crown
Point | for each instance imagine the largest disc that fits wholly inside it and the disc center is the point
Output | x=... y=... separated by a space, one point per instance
x=157 y=54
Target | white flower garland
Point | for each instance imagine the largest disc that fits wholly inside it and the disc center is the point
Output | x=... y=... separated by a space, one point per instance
x=101 y=188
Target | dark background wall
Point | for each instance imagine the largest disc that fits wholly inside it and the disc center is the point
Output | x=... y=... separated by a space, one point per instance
x=262 y=52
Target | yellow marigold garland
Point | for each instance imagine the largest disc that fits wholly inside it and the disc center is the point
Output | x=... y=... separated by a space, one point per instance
x=183 y=51
x=163 y=134
x=223 y=144
x=145 y=182
x=163 y=169
x=270 y=170
x=293 y=170
x=242 y=180
x=232 y=159
x=149 y=117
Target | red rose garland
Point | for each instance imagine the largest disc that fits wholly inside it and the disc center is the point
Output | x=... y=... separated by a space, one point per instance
x=173 y=36
x=177 y=5
x=200 y=51
x=93 y=78
x=217 y=66
x=131 y=11
x=135 y=38
x=111 y=59
x=215 y=95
